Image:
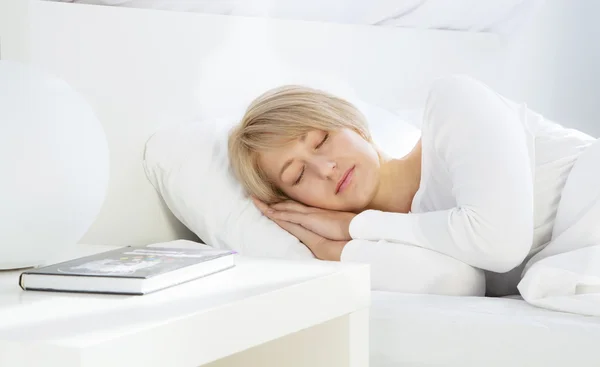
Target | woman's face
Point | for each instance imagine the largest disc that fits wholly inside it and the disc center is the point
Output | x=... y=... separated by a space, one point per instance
x=338 y=170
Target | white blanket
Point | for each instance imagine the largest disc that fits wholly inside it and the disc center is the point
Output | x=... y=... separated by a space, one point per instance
x=565 y=275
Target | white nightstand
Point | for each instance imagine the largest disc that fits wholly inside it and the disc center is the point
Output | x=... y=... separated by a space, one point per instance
x=261 y=313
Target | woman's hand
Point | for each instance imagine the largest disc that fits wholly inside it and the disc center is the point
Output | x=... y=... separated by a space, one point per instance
x=322 y=248
x=332 y=225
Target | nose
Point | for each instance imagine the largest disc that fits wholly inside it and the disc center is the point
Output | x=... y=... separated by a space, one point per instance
x=325 y=167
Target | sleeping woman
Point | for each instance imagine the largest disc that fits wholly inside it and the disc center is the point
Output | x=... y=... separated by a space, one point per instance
x=483 y=184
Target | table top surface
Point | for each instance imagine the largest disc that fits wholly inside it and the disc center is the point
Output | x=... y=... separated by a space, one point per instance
x=78 y=321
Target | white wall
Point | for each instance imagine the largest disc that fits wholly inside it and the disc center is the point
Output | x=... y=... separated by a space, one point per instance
x=13 y=30
x=558 y=63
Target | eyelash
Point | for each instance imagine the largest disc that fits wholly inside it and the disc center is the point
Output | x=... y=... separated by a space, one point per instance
x=317 y=147
x=323 y=141
x=299 y=177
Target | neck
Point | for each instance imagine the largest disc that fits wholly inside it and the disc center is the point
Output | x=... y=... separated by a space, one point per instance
x=399 y=182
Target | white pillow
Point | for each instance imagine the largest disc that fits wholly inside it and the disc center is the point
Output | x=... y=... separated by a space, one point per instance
x=188 y=165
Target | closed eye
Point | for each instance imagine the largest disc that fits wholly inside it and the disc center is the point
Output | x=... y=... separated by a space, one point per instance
x=323 y=141
x=299 y=177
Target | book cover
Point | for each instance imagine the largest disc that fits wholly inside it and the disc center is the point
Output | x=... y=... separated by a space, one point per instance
x=132 y=262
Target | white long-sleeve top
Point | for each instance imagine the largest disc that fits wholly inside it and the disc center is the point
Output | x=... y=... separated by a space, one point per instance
x=491 y=177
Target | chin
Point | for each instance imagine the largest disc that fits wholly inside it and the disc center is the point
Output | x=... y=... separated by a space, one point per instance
x=336 y=206
x=353 y=206
x=360 y=206
x=363 y=195
x=357 y=204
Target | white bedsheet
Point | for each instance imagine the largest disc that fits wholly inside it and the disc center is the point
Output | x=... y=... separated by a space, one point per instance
x=426 y=330
x=565 y=275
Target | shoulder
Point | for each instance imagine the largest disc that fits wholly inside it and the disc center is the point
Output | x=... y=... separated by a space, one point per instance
x=454 y=97
x=461 y=107
x=454 y=84
x=448 y=100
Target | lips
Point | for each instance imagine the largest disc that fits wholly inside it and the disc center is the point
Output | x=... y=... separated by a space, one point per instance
x=345 y=180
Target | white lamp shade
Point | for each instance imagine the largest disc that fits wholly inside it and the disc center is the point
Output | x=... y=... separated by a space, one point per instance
x=54 y=162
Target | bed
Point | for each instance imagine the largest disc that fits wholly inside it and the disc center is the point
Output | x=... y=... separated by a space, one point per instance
x=145 y=68
x=417 y=330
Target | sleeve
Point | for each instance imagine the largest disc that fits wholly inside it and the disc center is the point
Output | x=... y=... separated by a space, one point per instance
x=409 y=269
x=479 y=138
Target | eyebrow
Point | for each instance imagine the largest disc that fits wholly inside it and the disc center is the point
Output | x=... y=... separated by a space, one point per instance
x=289 y=161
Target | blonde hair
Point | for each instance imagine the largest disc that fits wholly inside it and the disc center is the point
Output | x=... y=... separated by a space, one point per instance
x=277 y=117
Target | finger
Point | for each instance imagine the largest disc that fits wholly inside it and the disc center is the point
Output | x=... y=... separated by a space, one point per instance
x=297 y=230
x=264 y=208
x=292 y=206
x=293 y=217
x=302 y=234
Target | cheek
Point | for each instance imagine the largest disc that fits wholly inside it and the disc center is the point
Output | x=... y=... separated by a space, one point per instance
x=310 y=193
x=362 y=150
x=313 y=193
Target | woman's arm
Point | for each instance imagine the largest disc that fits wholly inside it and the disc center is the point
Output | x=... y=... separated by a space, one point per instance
x=411 y=269
x=406 y=269
x=481 y=140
